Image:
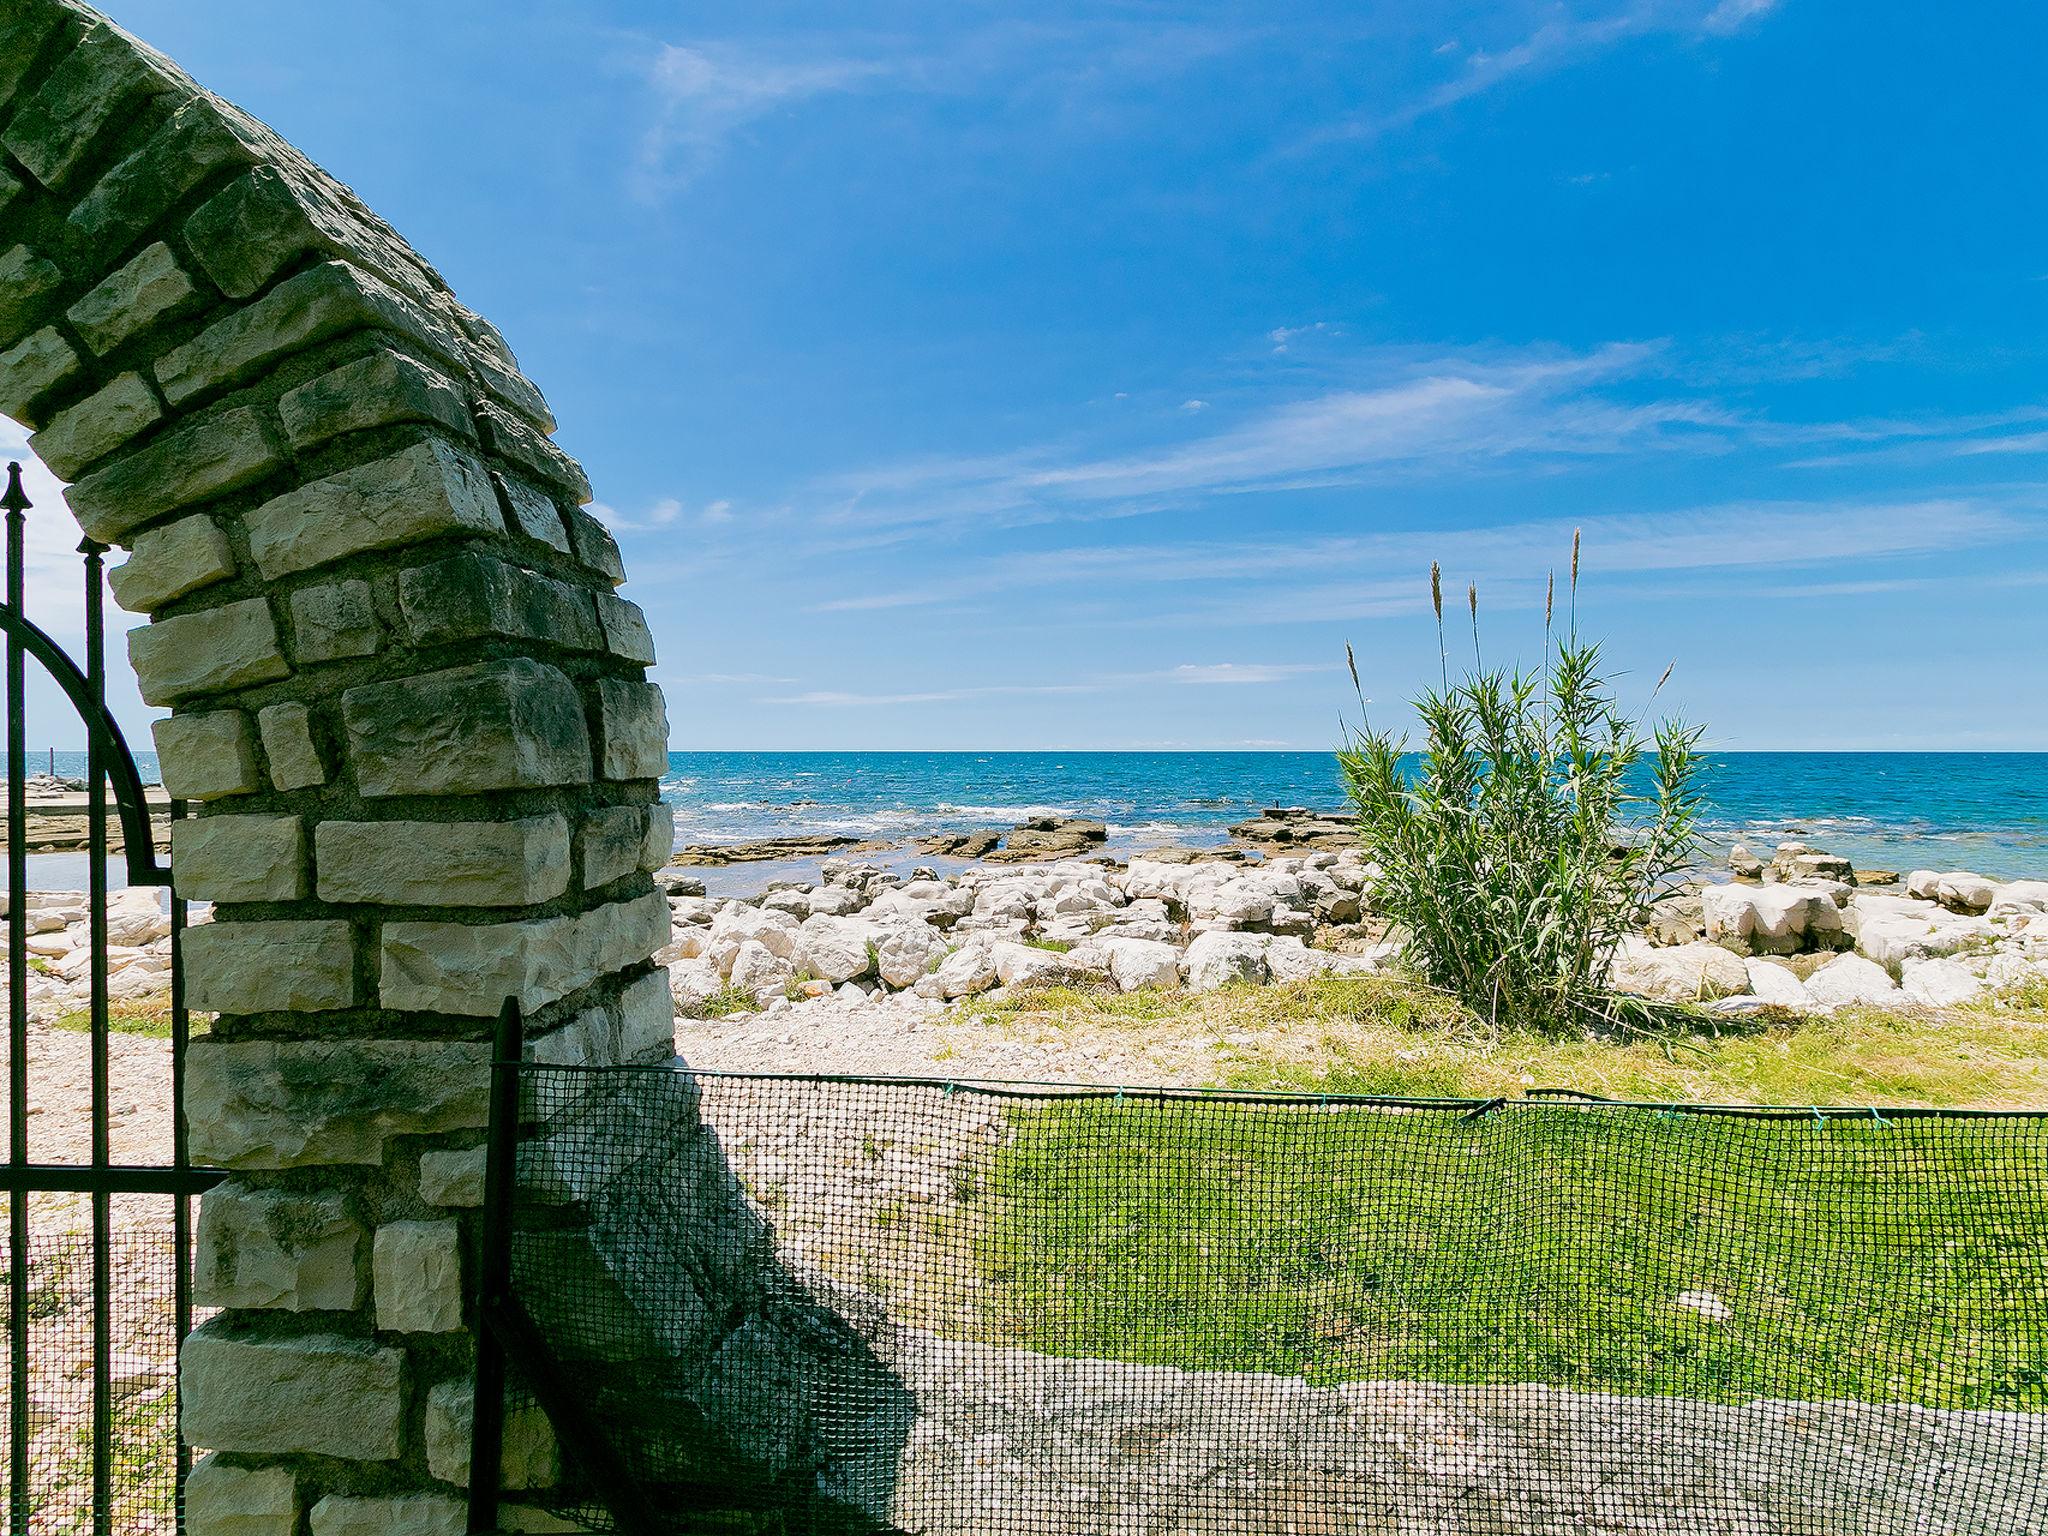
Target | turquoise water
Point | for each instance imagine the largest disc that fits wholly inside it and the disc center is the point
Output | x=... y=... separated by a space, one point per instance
x=1986 y=811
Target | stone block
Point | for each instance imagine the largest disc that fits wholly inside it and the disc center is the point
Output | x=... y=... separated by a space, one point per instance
x=417 y=1276
x=310 y=1395
x=288 y=743
x=534 y=453
x=28 y=282
x=625 y=629
x=209 y=458
x=149 y=288
x=533 y=513
x=529 y=1458
x=473 y=596
x=240 y=858
x=426 y=490
x=197 y=141
x=9 y=189
x=301 y=966
x=289 y=1104
x=92 y=93
x=90 y=430
x=245 y=233
x=594 y=545
x=30 y=370
x=380 y=390
x=221 y=1500
x=278 y=1250
x=411 y=1514
x=23 y=30
x=511 y=724
x=661 y=836
x=453 y=1178
x=633 y=726
x=171 y=560
x=469 y=969
x=231 y=646
x=207 y=756
x=335 y=620
x=647 y=1019
x=299 y=312
x=444 y=863
x=614 y=843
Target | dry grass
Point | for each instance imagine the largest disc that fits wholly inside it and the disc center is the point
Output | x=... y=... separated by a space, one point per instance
x=1380 y=1036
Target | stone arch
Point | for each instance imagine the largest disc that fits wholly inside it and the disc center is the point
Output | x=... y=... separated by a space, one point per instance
x=409 y=705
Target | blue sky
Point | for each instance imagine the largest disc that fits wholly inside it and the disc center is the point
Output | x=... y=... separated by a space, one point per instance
x=960 y=376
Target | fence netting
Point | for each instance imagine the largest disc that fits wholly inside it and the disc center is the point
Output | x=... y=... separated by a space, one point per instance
x=141 y=1368
x=813 y=1305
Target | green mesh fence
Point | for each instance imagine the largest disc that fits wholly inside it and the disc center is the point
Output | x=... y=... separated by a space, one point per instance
x=812 y=1305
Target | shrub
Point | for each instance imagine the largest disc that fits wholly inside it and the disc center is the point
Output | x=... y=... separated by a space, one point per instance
x=1522 y=845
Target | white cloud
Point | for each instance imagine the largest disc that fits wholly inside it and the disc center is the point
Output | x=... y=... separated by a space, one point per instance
x=1192 y=406
x=1239 y=672
x=1732 y=15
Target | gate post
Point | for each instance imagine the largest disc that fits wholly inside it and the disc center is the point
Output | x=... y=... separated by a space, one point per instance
x=412 y=713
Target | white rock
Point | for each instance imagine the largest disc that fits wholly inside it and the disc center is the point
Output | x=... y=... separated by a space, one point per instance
x=1218 y=957
x=969 y=969
x=692 y=984
x=1774 y=984
x=1683 y=973
x=1768 y=919
x=1136 y=964
x=1021 y=964
x=2020 y=898
x=1851 y=979
x=759 y=972
x=835 y=949
x=1960 y=891
x=1939 y=983
x=904 y=951
x=1921 y=884
x=133 y=916
x=1706 y=1303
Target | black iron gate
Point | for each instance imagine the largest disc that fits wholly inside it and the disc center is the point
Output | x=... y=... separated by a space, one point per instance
x=98 y=1249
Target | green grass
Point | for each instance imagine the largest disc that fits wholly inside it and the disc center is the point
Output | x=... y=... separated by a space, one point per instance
x=728 y=1000
x=1856 y=1260
x=151 y=1017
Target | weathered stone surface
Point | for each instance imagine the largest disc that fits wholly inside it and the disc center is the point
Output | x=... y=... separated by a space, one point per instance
x=279 y=1250
x=471 y=968
x=170 y=561
x=533 y=452
x=208 y=458
x=316 y=1395
x=533 y=513
x=231 y=646
x=474 y=596
x=221 y=1500
x=90 y=430
x=284 y=1104
x=305 y=966
x=240 y=858
x=23 y=30
x=528 y=1459
x=625 y=629
x=9 y=190
x=453 y=1178
x=245 y=233
x=207 y=756
x=288 y=743
x=495 y=725
x=618 y=841
x=332 y=621
x=415 y=1514
x=27 y=281
x=30 y=371
x=444 y=864
x=594 y=545
x=149 y=288
x=380 y=390
x=428 y=489
x=91 y=92
x=298 y=312
x=417 y=1276
x=647 y=1019
x=633 y=720
x=132 y=195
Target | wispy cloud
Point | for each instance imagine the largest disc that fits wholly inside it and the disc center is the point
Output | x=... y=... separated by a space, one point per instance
x=1237 y=672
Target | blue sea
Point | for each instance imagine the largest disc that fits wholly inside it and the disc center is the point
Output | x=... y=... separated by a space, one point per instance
x=1986 y=811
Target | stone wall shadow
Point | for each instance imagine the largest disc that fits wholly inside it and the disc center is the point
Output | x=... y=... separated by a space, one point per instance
x=731 y=1387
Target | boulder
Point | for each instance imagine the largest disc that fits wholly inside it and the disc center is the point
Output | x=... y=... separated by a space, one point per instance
x=1961 y=891
x=1136 y=964
x=1940 y=983
x=969 y=969
x=1770 y=983
x=1850 y=979
x=1217 y=958
x=1769 y=919
x=1744 y=865
x=835 y=949
x=1684 y=973
x=692 y=984
x=904 y=952
x=1921 y=884
x=759 y=972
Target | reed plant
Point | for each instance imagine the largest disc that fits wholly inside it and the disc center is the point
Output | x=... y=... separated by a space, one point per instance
x=1540 y=818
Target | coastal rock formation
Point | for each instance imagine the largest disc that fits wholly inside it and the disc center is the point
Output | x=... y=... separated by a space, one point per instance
x=1294 y=827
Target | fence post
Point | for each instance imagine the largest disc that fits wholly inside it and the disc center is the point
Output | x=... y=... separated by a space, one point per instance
x=494 y=1272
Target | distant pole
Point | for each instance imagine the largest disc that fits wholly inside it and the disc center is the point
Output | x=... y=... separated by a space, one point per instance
x=53 y=762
